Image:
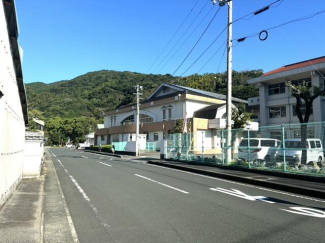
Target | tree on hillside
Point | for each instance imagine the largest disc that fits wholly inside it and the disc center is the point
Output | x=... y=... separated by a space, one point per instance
x=305 y=97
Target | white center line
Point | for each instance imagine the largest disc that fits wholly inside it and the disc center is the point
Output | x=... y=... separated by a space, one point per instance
x=146 y=178
x=103 y=163
x=242 y=184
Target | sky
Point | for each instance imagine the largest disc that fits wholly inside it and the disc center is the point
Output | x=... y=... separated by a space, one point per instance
x=63 y=39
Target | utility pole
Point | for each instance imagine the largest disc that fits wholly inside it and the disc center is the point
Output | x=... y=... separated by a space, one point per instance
x=138 y=88
x=229 y=72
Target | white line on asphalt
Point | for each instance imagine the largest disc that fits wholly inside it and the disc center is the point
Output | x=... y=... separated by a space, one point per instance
x=237 y=183
x=84 y=195
x=161 y=184
x=84 y=157
x=71 y=225
x=111 y=158
x=103 y=163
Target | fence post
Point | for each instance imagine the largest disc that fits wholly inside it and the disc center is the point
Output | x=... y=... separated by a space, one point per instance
x=222 y=148
x=284 y=150
x=202 y=147
x=249 y=148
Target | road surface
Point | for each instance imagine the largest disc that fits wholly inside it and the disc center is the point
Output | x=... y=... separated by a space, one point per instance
x=118 y=200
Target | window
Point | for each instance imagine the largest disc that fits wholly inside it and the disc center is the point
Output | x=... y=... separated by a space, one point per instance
x=164 y=114
x=302 y=108
x=170 y=113
x=155 y=137
x=277 y=89
x=277 y=112
x=252 y=143
x=312 y=144
x=102 y=137
x=145 y=118
x=115 y=138
x=130 y=119
x=267 y=143
x=318 y=145
x=276 y=135
x=300 y=82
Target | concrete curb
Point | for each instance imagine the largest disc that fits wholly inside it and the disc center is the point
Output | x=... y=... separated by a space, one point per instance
x=104 y=153
x=274 y=185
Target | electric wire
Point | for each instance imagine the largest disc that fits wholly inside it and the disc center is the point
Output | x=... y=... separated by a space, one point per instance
x=198 y=40
x=185 y=40
x=181 y=36
x=243 y=17
x=289 y=38
x=209 y=60
x=206 y=50
x=173 y=35
x=283 y=24
x=254 y=13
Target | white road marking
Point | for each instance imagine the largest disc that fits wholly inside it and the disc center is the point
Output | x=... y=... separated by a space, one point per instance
x=146 y=178
x=104 y=163
x=84 y=195
x=306 y=211
x=242 y=184
x=84 y=157
x=111 y=158
x=237 y=193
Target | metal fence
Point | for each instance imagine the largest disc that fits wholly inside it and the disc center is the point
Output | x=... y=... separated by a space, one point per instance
x=120 y=146
x=152 y=146
x=292 y=148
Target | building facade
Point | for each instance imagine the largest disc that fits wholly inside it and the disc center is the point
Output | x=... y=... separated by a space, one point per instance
x=13 y=103
x=158 y=115
x=275 y=103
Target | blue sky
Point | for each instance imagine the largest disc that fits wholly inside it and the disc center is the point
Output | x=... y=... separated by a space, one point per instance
x=63 y=39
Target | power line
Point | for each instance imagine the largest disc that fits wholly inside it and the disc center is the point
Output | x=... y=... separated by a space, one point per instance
x=209 y=59
x=283 y=24
x=201 y=56
x=259 y=11
x=181 y=36
x=289 y=38
x=197 y=41
x=185 y=40
x=174 y=35
x=207 y=49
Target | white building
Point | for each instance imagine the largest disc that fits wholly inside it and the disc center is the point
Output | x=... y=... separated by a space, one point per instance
x=275 y=102
x=13 y=104
x=160 y=111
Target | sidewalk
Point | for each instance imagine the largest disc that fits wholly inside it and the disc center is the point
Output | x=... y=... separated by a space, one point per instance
x=36 y=211
x=275 y=180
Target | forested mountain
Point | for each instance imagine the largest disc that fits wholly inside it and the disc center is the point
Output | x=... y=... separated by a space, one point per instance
x=92 y=93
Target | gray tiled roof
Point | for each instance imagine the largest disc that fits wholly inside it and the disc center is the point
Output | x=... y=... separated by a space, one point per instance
x=210 y=94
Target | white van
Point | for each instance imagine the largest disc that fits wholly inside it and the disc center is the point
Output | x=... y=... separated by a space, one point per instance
x=258 y=149
x=294 y=149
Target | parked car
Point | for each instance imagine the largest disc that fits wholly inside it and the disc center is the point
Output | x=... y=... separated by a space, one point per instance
x=68 y=145
x=294 y=149
x=258 y=149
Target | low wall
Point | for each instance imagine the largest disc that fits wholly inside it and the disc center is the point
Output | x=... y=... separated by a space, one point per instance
x=33 y=160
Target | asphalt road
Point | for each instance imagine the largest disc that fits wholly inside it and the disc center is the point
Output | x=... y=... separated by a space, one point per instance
x=117 y=200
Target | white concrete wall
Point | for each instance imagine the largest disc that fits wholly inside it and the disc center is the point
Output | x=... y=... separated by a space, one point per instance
x=34 y=150
x=100 y=141
x=12 y=126
x=192 y=106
